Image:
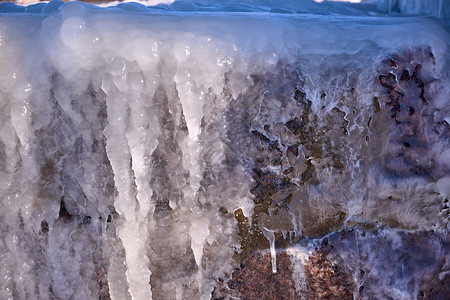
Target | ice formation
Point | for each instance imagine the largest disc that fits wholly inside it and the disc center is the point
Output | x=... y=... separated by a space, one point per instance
x=143 y=149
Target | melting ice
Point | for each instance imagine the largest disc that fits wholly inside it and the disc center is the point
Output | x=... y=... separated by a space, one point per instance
x=143 y=150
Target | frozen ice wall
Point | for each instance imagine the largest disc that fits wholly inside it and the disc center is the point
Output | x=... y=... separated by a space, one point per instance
x=144 y=151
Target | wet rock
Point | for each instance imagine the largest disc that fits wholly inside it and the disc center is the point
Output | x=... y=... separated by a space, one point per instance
x=325 y=279
x=255 y=280
x=405 y=82
x=322 y=278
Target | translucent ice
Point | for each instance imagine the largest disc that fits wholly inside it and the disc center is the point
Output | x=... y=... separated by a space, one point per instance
x=138 y=145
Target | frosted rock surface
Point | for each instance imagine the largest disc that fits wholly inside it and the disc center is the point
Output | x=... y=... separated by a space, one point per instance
x=146 y=151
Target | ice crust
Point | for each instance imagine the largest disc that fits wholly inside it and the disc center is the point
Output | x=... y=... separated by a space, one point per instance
x=125 y=135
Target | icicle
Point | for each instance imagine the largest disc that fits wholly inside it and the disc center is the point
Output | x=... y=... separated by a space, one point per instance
x=133 y=231
x=199 y=231
x=192 y=102
x=270 y=236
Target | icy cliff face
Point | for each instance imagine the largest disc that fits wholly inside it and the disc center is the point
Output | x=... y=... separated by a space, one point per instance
x=145 y=151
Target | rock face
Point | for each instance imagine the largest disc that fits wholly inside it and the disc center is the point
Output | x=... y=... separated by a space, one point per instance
x=226 y=151
x=322 y=279
x=325 y=279
x=254 y=279
x=348 y=264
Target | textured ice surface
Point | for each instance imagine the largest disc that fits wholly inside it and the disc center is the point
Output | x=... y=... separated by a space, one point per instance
x=142 y=149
